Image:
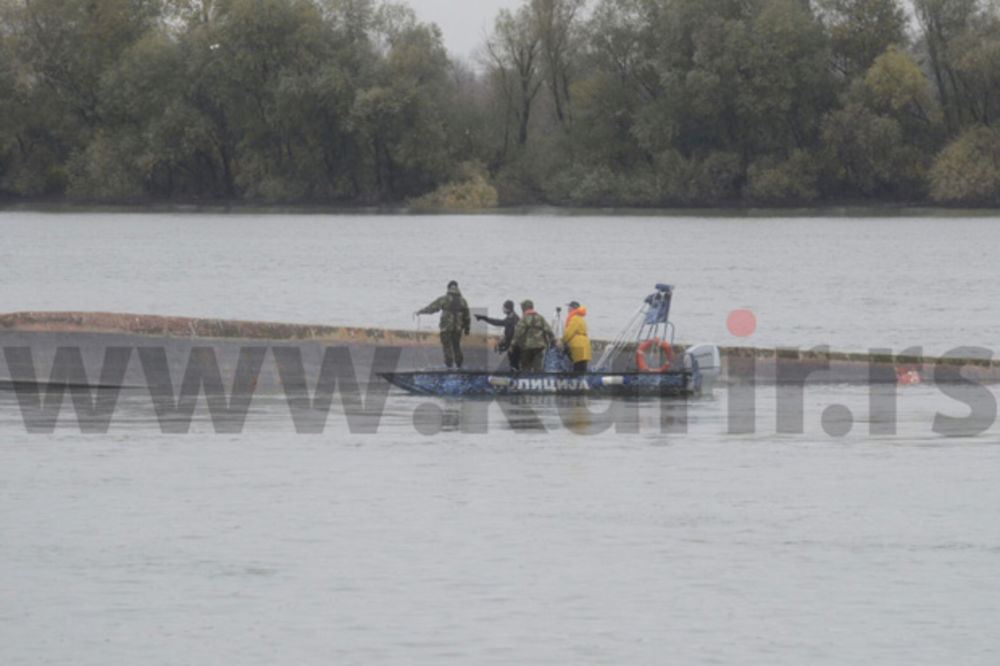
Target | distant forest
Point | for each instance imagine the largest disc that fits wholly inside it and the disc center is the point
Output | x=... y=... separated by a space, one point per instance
x=604 y=103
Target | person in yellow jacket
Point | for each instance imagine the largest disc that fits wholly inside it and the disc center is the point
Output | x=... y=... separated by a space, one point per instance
x=575 y=338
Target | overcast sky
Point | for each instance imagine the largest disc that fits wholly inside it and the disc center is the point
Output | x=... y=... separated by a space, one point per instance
x=464 y=23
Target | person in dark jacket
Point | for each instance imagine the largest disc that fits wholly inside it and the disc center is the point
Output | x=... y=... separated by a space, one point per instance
x=454 y=322
x=508 y=322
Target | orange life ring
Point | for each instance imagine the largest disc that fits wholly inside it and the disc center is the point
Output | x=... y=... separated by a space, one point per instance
x=640 y=355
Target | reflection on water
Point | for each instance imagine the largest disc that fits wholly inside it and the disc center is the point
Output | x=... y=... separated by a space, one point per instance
x=539 y=413
x=577 y=415
x=822 y=412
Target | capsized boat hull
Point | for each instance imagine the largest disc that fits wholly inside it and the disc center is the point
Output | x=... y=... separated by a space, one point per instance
x=477 y=383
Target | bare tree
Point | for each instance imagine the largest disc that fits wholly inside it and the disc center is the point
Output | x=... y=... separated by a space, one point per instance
x=514 y=54
x=558 y=34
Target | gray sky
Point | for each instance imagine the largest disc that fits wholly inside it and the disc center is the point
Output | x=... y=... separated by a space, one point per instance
x=464 y=23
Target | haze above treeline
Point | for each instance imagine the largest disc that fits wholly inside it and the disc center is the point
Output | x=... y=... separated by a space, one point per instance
x=647 y=103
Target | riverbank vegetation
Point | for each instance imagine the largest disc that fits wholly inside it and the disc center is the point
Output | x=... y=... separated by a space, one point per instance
x=607 y=103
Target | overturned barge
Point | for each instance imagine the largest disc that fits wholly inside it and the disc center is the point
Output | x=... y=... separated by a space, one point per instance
x=104 y=350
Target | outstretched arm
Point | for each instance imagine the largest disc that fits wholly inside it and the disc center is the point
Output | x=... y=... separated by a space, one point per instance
x=433 y=307
x=492 y=320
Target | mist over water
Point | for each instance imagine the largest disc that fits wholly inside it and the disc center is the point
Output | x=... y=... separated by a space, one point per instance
x=532 y=532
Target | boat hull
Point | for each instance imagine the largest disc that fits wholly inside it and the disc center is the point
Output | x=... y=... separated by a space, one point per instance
x=469 y=383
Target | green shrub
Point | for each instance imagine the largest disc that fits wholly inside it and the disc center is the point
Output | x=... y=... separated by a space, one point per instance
x=703 y=179
x=471 y=192
x=108 y=170
x=967 y=171
x=793 y=180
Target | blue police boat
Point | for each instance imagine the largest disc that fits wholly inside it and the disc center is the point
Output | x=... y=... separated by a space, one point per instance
x=640 y=362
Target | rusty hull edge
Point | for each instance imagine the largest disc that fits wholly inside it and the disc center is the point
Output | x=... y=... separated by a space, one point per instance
x=155 y=326
x=853 y=366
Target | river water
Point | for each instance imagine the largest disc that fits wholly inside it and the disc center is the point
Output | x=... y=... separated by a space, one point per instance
x=533 y=532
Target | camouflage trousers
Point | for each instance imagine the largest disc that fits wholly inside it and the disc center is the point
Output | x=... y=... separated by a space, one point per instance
x=532 y=360
x=451 y=345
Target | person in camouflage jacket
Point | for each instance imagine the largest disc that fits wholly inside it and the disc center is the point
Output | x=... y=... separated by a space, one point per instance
x=454 y=322
x=532 y=337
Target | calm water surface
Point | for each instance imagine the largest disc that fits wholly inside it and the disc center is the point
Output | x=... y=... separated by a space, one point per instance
x=852 y=283
x=546 y=539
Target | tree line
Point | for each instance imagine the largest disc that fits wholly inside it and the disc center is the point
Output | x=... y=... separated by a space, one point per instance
x=606 y=103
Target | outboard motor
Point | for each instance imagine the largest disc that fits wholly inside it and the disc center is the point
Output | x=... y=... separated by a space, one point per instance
x=709 y=364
